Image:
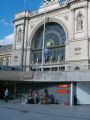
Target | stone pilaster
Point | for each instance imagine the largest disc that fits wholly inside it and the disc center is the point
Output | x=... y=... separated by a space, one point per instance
x=25 y=42
x=14 y=42
x=71 y=24
x=86 y=21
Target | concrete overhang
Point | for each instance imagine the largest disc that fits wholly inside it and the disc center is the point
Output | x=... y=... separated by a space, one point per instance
x=51 y=76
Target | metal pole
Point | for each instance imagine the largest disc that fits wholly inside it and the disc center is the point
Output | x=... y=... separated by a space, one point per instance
x=71 y=96
x=24 y=4
x=42 y=65
x=22 y=52
x=14 y=92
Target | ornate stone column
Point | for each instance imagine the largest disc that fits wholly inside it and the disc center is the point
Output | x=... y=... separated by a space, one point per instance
x=25 y=43
x=71 y=93
x=14 y=42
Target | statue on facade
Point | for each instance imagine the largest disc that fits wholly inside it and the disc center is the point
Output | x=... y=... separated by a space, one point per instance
x=69 y=1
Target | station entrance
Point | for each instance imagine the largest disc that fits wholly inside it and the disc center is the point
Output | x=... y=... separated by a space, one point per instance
x=60 y=90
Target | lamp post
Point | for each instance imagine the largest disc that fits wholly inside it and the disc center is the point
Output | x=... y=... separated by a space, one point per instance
x=43 y=47
x=24 y=4
x=23 y=39
x=22 y=52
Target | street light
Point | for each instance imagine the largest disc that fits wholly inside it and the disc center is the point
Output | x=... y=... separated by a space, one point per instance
x=42 y=65
x=22 y=52
x=24 y=4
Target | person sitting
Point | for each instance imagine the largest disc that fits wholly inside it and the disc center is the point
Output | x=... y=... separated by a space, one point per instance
x=51 y=99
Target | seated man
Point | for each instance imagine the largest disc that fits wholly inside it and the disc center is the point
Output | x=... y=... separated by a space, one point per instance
x=51 y=99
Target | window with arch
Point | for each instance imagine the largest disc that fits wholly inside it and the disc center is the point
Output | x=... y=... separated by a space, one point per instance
x=79 y=22
x=19 y=35
x=1 y=61
x=77 y=68
x=54 y=44
x=7 y=61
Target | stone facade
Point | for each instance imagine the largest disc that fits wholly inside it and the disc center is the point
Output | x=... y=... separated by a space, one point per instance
x=61 y=32
x=72 y=15
x=74 y=18
x=5 y=55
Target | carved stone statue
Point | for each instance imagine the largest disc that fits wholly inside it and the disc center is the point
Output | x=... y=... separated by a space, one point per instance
x=68 y=1
x=80 y=22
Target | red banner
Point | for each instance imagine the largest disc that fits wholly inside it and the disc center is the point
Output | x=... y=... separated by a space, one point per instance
x=63 y=86
x=63 y=91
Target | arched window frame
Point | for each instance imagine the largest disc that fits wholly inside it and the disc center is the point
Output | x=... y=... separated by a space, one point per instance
x=53 y=53
x=77 y=68
x=7 y=61
x=79 y=22
x=1 y=61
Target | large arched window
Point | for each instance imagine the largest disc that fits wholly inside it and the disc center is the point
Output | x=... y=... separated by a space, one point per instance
x=7 y=60
x=79 y=22
x=55 y=38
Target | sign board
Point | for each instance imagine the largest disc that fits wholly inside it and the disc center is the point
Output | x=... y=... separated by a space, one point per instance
x=63 y=91
x=63 y=86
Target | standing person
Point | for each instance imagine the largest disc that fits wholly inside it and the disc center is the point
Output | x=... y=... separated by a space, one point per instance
x=36 y=97
x=6 y=95
x=30 y=97
x=75 y=100
x=46 y=96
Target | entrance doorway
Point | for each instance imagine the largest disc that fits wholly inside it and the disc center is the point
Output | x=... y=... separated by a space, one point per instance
x=2 y=88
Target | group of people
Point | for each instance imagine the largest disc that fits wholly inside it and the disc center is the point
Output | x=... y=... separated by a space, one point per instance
x=34 y=97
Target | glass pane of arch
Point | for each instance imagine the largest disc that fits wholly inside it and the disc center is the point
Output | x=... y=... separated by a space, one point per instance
x=55 y=38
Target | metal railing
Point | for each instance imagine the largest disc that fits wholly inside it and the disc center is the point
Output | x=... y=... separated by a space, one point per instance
x=60 y=66
x=48 y=67
x=9 y=68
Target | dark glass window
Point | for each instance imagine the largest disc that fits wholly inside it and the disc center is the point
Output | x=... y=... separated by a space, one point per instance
x=55 y=38
x=19 y=35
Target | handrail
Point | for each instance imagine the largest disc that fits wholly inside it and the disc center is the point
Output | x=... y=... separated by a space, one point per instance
x=58 y=65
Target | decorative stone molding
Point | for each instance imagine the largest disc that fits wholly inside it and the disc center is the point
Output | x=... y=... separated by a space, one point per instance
x=79 y=5
x=65 y=16
x=49 y=19
x=77 y=51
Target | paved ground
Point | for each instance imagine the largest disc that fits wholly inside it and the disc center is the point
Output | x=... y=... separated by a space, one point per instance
x=11 y=111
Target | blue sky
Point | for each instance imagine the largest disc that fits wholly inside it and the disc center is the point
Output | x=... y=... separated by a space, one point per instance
x=8 y=9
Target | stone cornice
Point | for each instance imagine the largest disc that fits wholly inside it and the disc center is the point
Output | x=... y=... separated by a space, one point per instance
x=80 y=4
